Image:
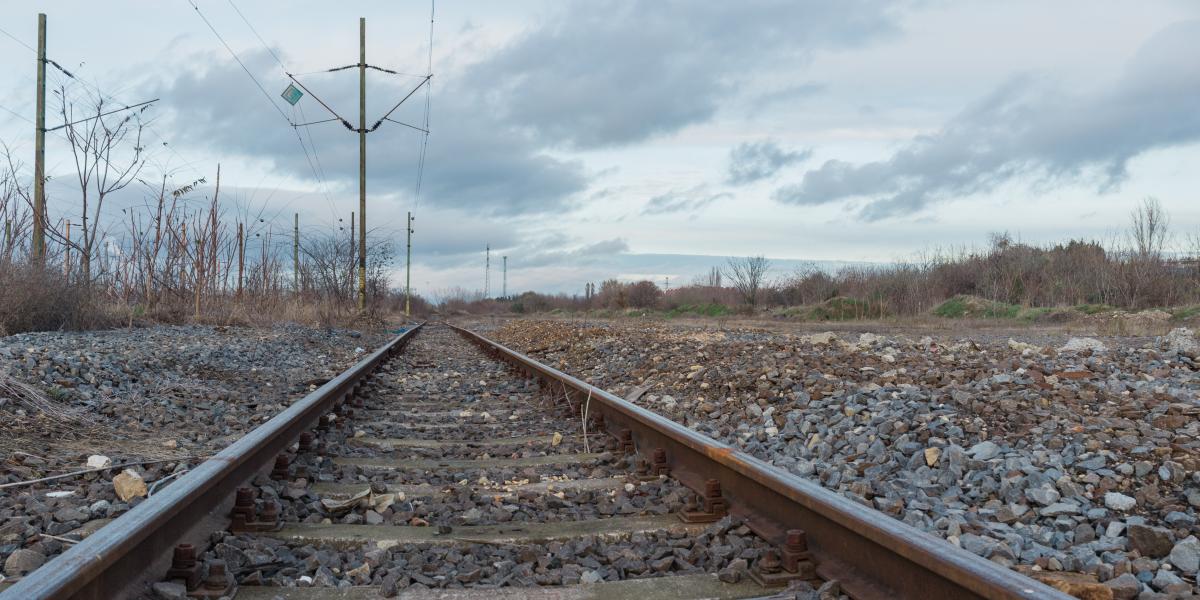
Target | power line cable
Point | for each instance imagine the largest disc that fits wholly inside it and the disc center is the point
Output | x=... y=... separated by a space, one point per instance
x=318 y=169
x=307 y=156
x=17 y=40
x=240 y=63
x=428 y=95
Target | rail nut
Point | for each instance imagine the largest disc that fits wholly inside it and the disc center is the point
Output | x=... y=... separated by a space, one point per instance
x=643 y=472
x=243 y=504
x=306 y=442
x=625 y=439
x=796 y=557
x=219 y=582
x=281 y=471
x=660 y=466
x=184 y=567
x=710 y=507
x=771 y=571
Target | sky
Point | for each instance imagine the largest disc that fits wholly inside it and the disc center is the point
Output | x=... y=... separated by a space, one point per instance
x=590 y=139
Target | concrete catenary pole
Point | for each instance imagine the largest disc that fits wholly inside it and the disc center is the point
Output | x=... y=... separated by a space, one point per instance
x=362 y=163
x=296 y=252
x=504 y=294
x=408 y=269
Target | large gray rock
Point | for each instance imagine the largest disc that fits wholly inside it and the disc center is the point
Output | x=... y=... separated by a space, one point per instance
x=1125 y=587
x=23 y=561
x=1186 y=555
x=1118 y=501
x=984 y=451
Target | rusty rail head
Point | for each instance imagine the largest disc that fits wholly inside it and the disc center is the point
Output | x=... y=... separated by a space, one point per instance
x=112 y=562
x=871 y=554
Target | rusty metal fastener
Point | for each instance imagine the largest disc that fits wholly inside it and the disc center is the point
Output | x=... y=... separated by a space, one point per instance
x=243 y=504
x=217 y=584
x=270 y=512
x=625 y=438
x=769 y=563
x=281 y=471
x=184 y=566
x=660 y=466
x=711 y=506
x=306 y=441
x=796 y=557
x=796 y=562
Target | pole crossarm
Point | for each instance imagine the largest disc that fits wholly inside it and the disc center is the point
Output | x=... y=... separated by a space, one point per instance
x=424 y=81
x=322 y=103
x=315 y=122
x=407 y=125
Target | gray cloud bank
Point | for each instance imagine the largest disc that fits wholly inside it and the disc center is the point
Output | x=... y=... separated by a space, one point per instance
x=597 y=73
x=754 y=161
x=1030 y=127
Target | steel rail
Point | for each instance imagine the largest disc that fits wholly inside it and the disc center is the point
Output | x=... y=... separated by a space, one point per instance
x=872 y=555
x=114 y=561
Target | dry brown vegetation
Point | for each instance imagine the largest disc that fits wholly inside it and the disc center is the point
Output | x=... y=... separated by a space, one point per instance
x=186 y=253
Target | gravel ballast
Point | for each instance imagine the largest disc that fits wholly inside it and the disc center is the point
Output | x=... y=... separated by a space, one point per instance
x=1053 y=454
x=167 y=394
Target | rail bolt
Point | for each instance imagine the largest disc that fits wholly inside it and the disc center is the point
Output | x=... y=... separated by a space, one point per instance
x=796 y=557
x=281 y=470
x=243 y=504
x=711 y=506
x=306 y=441
x=184 y=566
x=626 y=441
x=218 y=583
x=660 y=462
x=769 y=563
x=270 y=513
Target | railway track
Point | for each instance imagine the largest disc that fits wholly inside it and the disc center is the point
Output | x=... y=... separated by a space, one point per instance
x=447 y=466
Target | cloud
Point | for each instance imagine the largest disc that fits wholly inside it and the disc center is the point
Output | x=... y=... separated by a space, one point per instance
x=754 y=161
x=787 y=94
x=690 y=201
x=474 y=162
x=1030 y=127
x=601 y=73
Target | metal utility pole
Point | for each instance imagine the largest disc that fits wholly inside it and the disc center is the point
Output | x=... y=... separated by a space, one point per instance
x=362 y=163
x=504 y=294
x=296 y=252
x=487 y=271
x=39 y=149
x=408 y=268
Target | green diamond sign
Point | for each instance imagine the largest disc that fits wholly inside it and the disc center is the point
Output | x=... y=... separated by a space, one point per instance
x=292 y=95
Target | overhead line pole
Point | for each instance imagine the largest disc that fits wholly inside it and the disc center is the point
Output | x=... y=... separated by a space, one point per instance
x=408 y=269
x=296 y=252
x=362 y=163
x=39 y=149
x=504 y=293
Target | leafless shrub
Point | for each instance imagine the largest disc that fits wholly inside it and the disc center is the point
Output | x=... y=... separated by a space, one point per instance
x=747 y=275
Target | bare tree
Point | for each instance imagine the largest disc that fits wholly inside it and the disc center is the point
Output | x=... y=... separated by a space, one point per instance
x=710 y=279
x=1148 y=229
x=96 y=143
x=747 y=275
